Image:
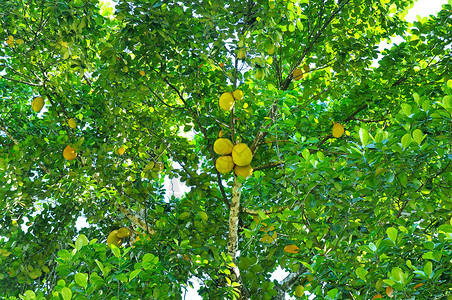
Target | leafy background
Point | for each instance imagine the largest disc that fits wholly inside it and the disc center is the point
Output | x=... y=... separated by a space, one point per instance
x=370 y=212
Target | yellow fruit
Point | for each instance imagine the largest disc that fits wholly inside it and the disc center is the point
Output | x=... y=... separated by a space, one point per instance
x=241 y=155
x=224 y=164
x=297 y=74
x=338 y=130
x=113 y=239
x=237 y=94
x=37 y=104
x=122 y=232
x=226 y=101
x=71 y=122
x=69 y=153
x=223 y=146
x=245 y=171
x=299 y=291
x=121 y=151
x=241 y=54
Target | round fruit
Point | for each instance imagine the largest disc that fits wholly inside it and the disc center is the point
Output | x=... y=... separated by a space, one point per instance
x=245 y=171
x=37 y=104
x=297 y=74
x=69 y=153
x=71 y=122
x=237 y=94
x=241 y=54
x=338 y=130
x=113 y=239
x=121 y=151
x=242 y=155
x=226 y=101
x=223 y=146
x=122 y=232
x=224 y=164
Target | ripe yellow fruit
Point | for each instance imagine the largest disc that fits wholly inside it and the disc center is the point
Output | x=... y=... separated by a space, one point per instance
x=122 y=232
x=245 y=171
x=223 y=146
x=241 y=54
x=224 y=164
x=226 y=101
x=121 y=150
x=71 y=122
x=113 y=239
x=237 y=94
x=297 y=74
x=242 y=155
x=69 y=153
x=338 y=130
x=37 y=104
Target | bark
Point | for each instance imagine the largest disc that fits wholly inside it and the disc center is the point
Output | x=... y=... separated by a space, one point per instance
x=134 y=218
x=287 y=283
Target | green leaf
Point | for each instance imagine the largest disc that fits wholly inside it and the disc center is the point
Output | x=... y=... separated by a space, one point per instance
x=29 y=295
x=418 y=136
x=148 y=257
x=66 y=293
x=406 y=109
x=134 y=274
x=392 y=234
x=81 y=241
x=361 y=273
x=416 y=97
x=406 y=140
x=116 y=251
x=428 y=267
x=81 y=279
x=364 y=136
x=306 y=153
x=203 y=216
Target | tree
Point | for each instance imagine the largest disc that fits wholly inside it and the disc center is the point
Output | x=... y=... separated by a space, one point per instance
x=360 y=214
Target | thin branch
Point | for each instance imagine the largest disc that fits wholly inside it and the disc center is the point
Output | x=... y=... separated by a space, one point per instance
x=20 y=81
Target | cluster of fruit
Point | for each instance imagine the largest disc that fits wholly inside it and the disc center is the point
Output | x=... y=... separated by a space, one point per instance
x=237 y=157
x=69 y=153
x=116 y=237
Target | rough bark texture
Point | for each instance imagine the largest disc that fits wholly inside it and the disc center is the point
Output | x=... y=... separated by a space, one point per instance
x=287 y=283
x=234 y=210
x=134 y=218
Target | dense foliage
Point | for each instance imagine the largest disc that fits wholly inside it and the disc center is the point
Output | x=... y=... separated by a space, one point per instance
x=361 y=216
